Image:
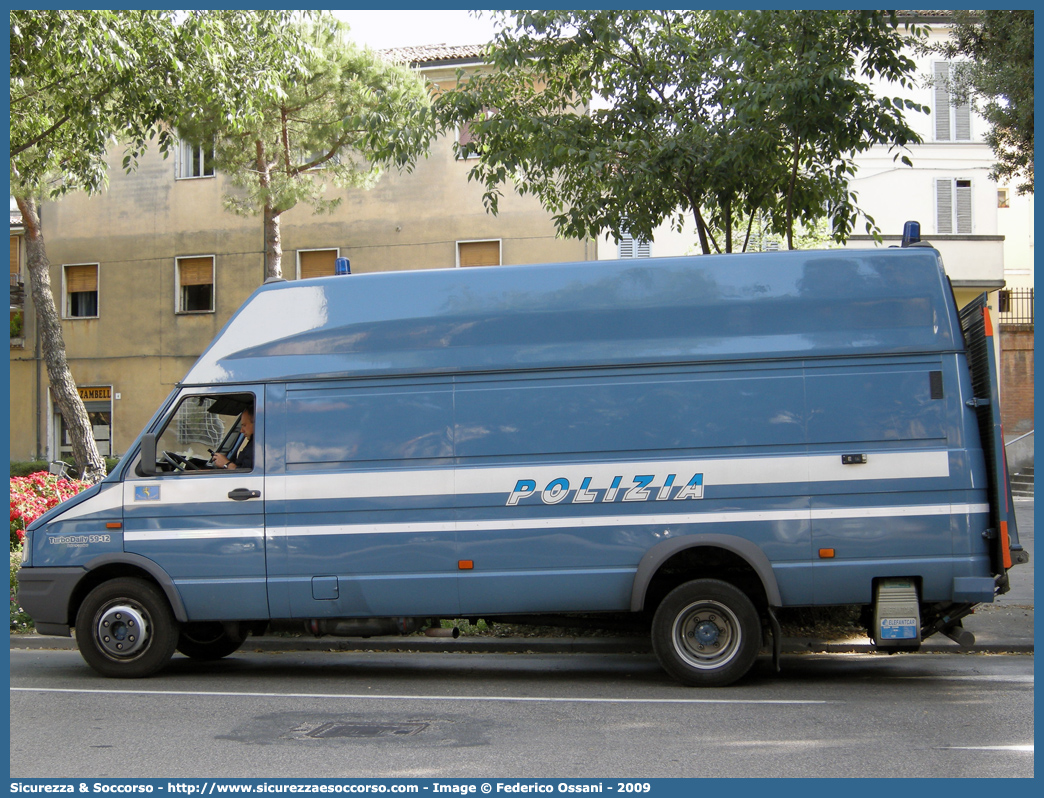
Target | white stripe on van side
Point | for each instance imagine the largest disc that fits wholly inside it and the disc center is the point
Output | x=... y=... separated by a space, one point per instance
x=193 y=534
x=566 y=523
x=637 y=520
x=194 y=488
x=502 y=479
x=913 y=510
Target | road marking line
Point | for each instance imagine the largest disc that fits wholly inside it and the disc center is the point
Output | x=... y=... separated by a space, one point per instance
x=1028 y=749
x=516 y=699
x=997 y=677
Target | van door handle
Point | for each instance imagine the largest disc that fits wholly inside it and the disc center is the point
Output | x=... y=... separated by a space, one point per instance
x=242 y=494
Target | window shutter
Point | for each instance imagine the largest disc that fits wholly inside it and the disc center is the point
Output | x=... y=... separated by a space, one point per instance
x=479 y=253
x=962 y=122
x=626 y=246
x=16 y=262
x=944 y=206
x=629 y=247
x=196 y=271
x=318 y=263
x=964 y=206
x=942 y=102
x=80 y=279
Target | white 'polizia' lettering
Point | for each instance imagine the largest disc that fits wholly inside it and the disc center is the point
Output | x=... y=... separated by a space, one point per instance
x=638 y=488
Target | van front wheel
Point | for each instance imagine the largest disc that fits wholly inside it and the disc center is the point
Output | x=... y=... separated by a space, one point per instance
x=125 y=629
x=706 y=633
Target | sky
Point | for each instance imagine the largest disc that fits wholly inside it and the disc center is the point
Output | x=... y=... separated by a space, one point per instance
x=384 y=29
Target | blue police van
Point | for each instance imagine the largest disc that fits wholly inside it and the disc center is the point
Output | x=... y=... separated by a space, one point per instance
x=704 y=440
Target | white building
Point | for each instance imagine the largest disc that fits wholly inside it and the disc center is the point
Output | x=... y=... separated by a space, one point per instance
x=983 y=229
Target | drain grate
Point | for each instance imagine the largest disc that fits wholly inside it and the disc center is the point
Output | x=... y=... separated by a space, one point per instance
x=338 y=729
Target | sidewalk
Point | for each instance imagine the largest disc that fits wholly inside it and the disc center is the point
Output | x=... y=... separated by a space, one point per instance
x=1006 y=626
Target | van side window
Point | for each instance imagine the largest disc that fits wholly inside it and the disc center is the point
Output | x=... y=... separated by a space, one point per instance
x=206 y=431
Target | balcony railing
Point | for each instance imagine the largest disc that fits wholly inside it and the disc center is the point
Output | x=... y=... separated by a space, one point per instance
x=1015 y=306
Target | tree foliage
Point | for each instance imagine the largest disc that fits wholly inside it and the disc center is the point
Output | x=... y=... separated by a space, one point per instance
x=998 y=72
x=83 y=81
x=619 y=120
x=336 y=118
x=78 y=77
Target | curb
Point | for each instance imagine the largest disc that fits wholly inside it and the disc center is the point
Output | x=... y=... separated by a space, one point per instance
x=536 y=645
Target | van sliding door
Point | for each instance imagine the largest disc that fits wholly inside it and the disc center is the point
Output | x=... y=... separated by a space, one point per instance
x=364 y=521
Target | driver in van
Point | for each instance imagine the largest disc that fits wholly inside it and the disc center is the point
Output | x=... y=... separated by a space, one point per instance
x=244 y=457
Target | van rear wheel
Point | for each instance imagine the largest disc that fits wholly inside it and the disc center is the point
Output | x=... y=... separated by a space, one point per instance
x=706 y=633
x=125 y=628
x=208 y=640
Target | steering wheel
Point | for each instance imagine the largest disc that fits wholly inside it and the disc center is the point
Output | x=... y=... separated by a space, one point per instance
x=179 y=462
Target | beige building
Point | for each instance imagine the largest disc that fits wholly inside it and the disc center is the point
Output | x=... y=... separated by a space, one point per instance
x=146 y=273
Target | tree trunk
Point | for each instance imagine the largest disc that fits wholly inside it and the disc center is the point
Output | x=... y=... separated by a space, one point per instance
x=728 y=225
x=273 y=237
x=701 y=231
x=273 y=243
x=790 y=193
x=49 y=328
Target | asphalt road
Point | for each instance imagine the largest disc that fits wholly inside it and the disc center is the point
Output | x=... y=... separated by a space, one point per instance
x=319 y=714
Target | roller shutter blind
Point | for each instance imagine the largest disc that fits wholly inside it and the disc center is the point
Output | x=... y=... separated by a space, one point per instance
x=80 y=279
x=479 y=253
x=318 y=263
x=196 y=271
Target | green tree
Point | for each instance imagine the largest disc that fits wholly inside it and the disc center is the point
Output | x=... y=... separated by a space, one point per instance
x=336 y=118
x=83 y=80
x=998 y=72
x=619 y=120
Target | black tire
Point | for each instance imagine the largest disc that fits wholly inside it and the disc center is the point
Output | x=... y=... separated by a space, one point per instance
x=706 y=633
x=208 y=640
x=125 y=629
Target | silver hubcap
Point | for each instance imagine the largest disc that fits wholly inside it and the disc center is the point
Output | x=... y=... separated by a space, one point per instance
x=707 y=634
x=123 y=630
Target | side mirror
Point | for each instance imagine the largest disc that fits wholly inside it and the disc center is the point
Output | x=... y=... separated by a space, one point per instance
x=147 y=461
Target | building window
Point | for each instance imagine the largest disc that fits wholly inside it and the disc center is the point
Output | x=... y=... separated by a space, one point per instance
x=952 y=121
x=16 y=260
x=97 y=401
x=1002 y=198
x=630 y=247
x=465 y=135
x=17 y=292
x=953 y=206
x=478 y=253
x=195 y=160
x=195 y=285
x=81 y=291
x=316 y=263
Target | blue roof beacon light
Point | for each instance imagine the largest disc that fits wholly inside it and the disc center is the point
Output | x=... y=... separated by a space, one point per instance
x=342 y=266
x=911 y=234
